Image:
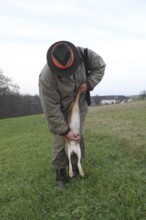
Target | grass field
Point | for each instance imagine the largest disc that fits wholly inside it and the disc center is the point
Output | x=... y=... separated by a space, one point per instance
x=114 y=186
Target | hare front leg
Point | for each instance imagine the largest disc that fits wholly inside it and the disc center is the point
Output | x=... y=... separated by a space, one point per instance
x=81 y=172
x=70 y=171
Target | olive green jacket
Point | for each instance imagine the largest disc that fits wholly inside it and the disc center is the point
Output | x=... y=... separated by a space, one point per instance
x=57 y=93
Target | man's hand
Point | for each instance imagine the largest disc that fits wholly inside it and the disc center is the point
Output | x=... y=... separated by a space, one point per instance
x=83 y=88
x=72 y=137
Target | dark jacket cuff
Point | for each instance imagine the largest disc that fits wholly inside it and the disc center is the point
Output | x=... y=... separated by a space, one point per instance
x=89 y=87
x=68 y=130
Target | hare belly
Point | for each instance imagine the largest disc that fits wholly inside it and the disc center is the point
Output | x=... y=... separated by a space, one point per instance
x=75 y=124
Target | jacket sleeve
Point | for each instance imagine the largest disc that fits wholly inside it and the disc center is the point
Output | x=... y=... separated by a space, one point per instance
x=50 y=101
x=97 y=68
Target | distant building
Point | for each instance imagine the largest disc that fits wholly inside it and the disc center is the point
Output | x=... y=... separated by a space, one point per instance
x=109 y=100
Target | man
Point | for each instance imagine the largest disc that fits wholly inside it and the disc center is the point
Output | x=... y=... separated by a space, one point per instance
x=62 y=76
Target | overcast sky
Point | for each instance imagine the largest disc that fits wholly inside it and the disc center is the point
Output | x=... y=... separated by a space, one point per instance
x=115 y=29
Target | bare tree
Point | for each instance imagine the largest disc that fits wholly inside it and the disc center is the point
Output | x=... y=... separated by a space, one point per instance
x=9 y=93
x=12 y=103
x=7 y=86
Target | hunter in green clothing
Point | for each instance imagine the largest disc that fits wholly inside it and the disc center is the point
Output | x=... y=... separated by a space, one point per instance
x=60 y=79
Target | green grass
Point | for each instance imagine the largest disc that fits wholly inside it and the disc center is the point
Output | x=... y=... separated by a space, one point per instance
x=114 y=186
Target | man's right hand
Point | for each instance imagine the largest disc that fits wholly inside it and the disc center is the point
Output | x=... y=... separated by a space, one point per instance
x=72 y=137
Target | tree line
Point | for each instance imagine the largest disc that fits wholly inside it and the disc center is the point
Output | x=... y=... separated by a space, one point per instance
x=14 y=104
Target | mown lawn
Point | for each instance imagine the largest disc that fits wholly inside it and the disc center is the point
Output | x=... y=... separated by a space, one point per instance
x=114 y=186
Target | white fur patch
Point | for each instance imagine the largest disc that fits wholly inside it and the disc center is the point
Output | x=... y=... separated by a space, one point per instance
x=74 y=147
x=75 y=123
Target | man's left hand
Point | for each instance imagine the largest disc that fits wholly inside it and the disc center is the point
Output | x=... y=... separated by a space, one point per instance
x=83 y=88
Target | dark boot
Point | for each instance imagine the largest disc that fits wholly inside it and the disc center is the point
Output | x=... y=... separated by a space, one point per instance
x=61 y=178
x=75 y=171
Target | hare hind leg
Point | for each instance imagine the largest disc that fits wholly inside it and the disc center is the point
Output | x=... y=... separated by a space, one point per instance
x=78 y=153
